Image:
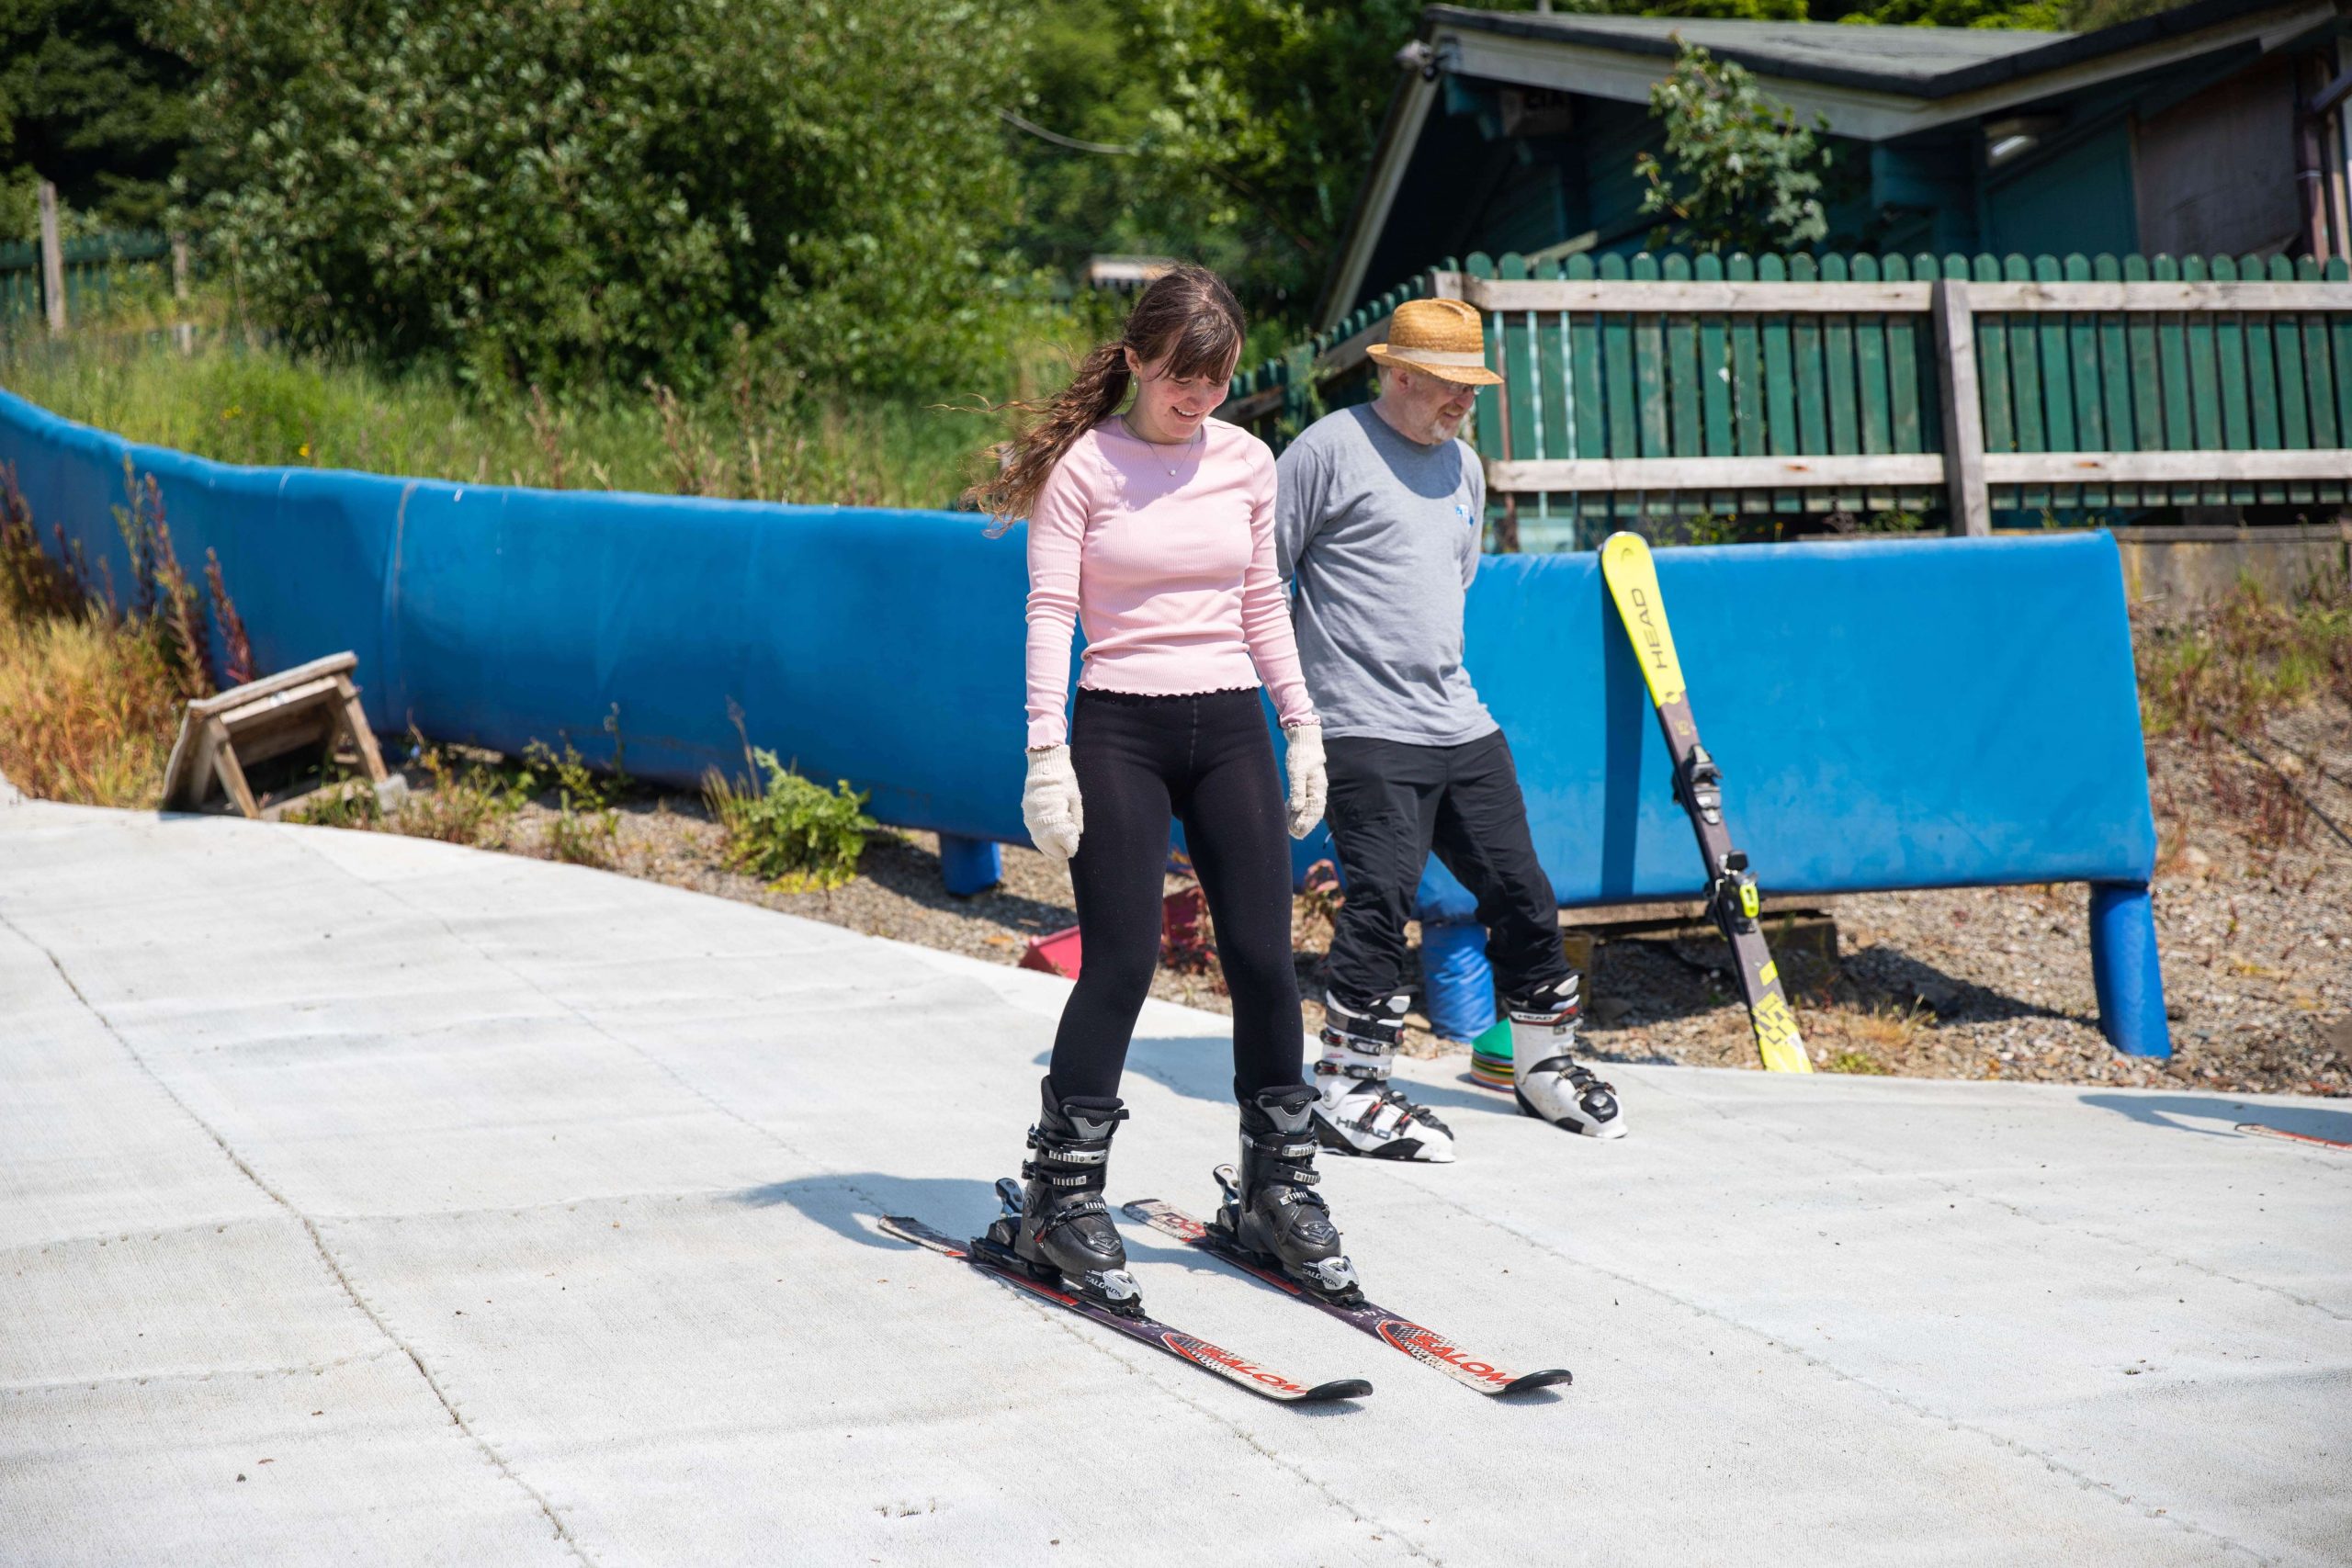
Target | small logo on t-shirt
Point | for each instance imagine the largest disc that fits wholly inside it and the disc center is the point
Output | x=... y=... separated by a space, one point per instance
x=1462 y=510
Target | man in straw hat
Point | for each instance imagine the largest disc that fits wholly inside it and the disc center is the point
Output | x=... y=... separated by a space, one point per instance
x=1379 y=510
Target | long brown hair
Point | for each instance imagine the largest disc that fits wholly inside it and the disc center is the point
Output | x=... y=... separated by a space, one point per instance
x=1187 y=315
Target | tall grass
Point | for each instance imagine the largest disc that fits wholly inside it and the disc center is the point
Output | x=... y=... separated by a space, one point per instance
x=91 y=685
x=88 y=708
x=758 y=432
x=2221 y=672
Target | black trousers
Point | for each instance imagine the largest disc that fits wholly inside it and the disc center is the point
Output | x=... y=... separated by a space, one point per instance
x=1391 y=803
x=1207 y=762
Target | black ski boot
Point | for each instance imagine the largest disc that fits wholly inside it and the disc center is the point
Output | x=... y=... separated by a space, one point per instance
x=1272 y=1210
x=1057 y=1224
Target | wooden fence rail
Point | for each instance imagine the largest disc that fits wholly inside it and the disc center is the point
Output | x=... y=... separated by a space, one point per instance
x=1869 y=384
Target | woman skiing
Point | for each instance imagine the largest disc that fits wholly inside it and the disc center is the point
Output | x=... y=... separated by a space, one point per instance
x=1155 y=529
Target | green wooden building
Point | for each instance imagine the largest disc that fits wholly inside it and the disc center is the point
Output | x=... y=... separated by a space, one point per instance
x=2215 y=129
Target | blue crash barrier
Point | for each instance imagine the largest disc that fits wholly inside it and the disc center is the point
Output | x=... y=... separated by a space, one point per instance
x=1889 y=714
x=1924 y=712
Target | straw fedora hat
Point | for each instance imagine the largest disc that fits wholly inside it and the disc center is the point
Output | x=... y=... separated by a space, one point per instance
x=1445 y=338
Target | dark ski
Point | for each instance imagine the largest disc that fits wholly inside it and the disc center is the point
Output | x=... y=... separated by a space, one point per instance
x=1731 y=900
x=1000 y=1263
x=1401 y=1332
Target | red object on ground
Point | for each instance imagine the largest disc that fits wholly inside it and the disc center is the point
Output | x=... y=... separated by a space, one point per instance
x=1184 y=939
x=2263 y=1131
x=1184 y=943
x=1055 y=952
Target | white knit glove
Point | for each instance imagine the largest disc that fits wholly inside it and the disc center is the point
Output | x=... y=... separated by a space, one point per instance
x=1050 y=805
x=1303 y=759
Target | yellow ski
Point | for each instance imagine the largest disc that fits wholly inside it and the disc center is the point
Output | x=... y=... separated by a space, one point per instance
x=1732 y=900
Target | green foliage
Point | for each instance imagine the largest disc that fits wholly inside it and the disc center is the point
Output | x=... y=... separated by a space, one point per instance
x=87 y=102
x=1722 y=528
x=473 y=800
x=1741 y=173
x=1727 y=10
x=2047 y=15
x=347 y=800
x=763 y=433
x=793 y=835
x=601 y=189
x=1085 y=84
x=2222 y=672
x=1265 y=118
x=587 y=825
x=2089 y=16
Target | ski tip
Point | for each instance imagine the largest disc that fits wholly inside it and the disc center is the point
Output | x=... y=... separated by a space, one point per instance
x=1338 y=1389
x=1532 y=1380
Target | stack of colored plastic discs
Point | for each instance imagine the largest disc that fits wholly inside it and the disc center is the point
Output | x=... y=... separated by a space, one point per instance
x=1490 y=1057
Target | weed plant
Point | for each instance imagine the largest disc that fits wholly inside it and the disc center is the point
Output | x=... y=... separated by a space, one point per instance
x=793 y=834
x=477 y=798
x=2217 y=676
x=587 y=825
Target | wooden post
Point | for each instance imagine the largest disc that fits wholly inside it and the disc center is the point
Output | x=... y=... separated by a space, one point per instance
x=1971 y=511
x=2311 y=177
x=183 y=332
x=52 y=261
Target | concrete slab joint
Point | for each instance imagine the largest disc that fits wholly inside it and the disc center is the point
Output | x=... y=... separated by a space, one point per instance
x=369 y=1197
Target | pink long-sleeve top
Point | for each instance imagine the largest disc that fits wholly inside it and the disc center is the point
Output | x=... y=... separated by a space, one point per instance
x=1172 y=574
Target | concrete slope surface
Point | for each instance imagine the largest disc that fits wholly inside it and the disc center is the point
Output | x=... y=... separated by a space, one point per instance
x=367 y=1199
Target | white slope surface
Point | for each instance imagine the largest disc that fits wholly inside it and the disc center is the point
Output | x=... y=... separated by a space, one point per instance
x=368 y=1199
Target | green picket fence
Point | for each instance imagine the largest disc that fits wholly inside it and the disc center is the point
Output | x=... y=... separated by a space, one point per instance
x=95 y=266
x=1666 y=386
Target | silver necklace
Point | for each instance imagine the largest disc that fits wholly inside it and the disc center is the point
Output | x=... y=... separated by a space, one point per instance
x=1159 y=448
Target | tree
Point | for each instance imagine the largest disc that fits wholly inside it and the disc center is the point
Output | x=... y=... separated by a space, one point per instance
x=1745 y=174
x=595 y=190
x=87 y=102
x=1265 y=118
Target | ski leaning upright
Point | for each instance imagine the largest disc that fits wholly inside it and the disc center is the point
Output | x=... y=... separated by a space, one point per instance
x=1732 y=901
x=992 y=1259
x=1422 y=1344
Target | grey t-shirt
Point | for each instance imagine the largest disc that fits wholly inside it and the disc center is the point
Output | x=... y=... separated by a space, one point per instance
x=1381 y=536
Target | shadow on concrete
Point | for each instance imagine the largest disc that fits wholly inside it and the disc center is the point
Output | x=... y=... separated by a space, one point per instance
x=1201 y=1069
x=850 y=1204
x=2223 y=1113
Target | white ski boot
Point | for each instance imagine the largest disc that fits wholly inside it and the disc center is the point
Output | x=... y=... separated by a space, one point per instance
x=1546 y=1077
x=1357 y=1110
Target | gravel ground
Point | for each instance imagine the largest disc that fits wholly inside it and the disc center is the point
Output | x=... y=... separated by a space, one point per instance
x=2254 y=910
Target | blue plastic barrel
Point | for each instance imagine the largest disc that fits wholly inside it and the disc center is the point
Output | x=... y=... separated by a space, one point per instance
x=1461 y=986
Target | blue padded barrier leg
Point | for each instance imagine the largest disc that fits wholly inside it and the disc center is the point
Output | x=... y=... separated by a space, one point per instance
x=1461 y=986
x=2124 y=970
x=969 y=866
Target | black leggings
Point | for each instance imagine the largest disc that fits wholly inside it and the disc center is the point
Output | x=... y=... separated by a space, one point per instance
x=1208 y=761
